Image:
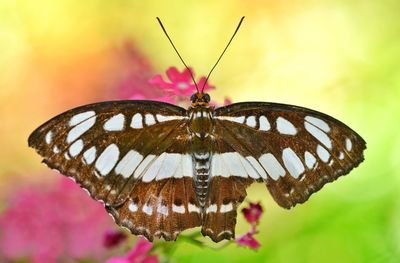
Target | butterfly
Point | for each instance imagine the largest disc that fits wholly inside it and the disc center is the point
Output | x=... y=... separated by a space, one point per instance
x=160 y=169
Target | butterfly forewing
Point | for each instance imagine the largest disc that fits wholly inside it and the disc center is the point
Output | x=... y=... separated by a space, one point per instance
x=298 y=150
x=100 y=145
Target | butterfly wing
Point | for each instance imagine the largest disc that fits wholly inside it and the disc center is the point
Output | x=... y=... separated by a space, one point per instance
x=295 y=150
x=116 y=151
x=225 y=196
x=159 y=209
x=229 y=178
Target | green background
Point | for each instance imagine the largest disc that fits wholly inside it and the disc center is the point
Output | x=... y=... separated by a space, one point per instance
x=338 y=57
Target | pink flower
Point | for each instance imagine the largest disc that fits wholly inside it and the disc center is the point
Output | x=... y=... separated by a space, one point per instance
x=138 y=254
x=253 y=213
x=52 y=224
x=180 y=83
x=113 y=238
x=248 y=240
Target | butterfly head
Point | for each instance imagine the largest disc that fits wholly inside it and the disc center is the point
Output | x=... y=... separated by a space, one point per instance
x=200 y=99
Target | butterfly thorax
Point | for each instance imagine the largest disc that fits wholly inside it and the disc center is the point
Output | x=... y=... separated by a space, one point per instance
x=200 y=129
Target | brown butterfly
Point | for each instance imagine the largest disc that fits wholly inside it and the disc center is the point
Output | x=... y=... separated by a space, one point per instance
x=161 y=169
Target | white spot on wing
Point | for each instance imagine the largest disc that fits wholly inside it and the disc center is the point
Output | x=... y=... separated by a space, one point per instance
x=272 y=166
x=76 y=148
x=78 y=118
x=249 y=168
x=285 y=127
x=292 y=162
x=251 y=121
x=151 y=173
x=341 y=155
x=319 y=135
x=226 y=208
x=56 y=149
x=162 y=209
x=133 y=207
x=162 y=118
x=80 y=129
x=128 y=163
x=233 y=163
x=107 y=159
x=179 y=171
x=310 y=160
x=187 y=165
x=169 y=166
x=149 y=119
x=216 y=165
x=349 y=145
x=115 y=123
x=180 y=209
x=323 y=154
x=143 y=165
x=256 y=165
x=239 y=119
x=147 y=209
x=89 y=155
x=137 y=121
x=318 y=123
x=193 y=208
x=49 y=137
x=211 y=209
x=264 y=124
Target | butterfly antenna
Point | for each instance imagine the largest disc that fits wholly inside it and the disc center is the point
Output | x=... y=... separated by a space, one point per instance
x=216 y=63
x=179 y=55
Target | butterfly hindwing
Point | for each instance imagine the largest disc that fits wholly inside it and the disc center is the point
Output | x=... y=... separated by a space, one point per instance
x=225 y=196
x=230 y=174
x=299 y=150
x=159 y=208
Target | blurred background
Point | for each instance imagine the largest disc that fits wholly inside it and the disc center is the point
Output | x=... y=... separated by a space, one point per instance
x=338 y=57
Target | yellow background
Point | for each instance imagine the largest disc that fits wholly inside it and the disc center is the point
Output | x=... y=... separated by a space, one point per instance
x=335 y=56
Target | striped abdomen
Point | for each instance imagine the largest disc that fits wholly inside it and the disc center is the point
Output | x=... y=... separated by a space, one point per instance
x=202 y=162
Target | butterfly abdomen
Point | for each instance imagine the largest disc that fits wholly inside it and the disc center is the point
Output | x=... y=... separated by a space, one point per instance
x=201 y=127
x=202 y=161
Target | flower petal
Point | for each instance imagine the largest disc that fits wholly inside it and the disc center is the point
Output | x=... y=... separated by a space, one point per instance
x=253 y=213
x=160 y=82
x=186 y=76
x=113 y=238
x=173 y=74
x=118 y=260
x=248 y=240
x=141 y=248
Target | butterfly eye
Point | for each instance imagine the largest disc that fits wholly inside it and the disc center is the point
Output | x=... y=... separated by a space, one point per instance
x=207 y=97
x=193 y=97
